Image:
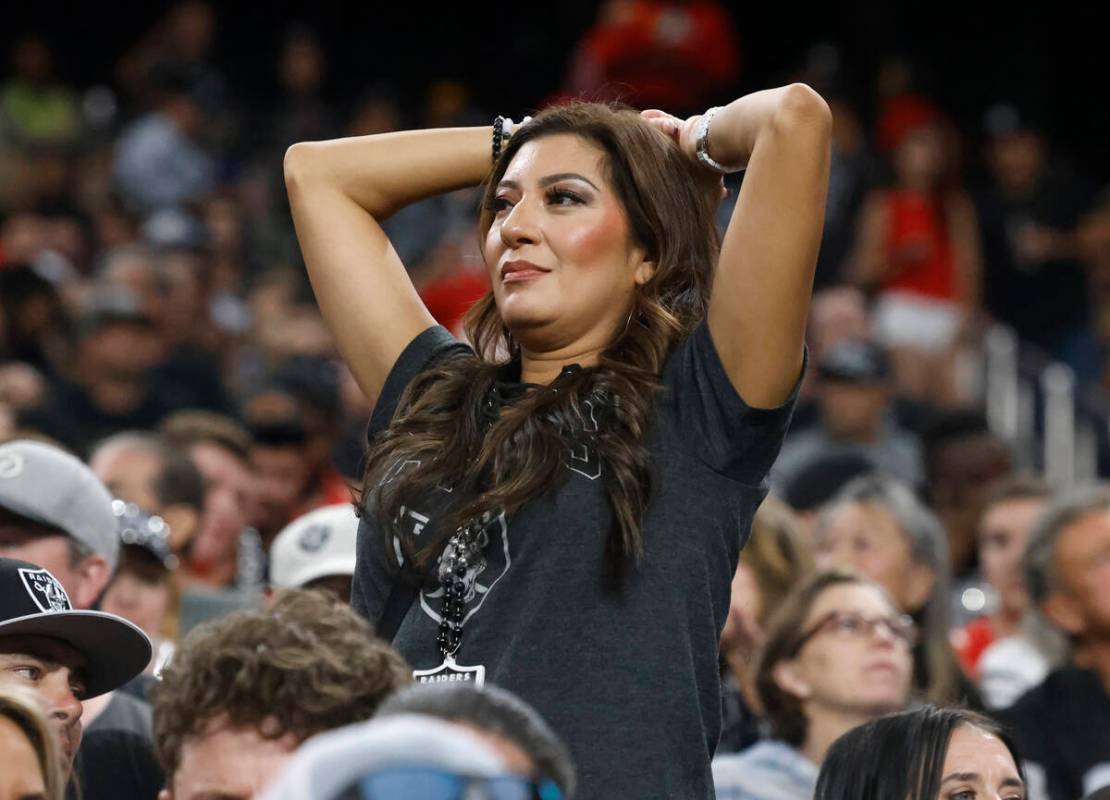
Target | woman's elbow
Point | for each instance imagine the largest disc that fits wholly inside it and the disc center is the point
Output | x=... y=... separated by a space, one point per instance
x=802 y=108
x=296 y=165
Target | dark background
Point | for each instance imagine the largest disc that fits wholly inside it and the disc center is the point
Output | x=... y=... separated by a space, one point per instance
x=1050 y=58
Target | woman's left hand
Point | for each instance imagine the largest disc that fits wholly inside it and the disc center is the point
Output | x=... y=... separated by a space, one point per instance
x=684 y=134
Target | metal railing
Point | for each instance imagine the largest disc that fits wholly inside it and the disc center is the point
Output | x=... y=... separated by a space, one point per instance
x=1033 y=404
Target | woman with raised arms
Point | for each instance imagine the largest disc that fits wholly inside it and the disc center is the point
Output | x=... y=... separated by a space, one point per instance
x=558 y=506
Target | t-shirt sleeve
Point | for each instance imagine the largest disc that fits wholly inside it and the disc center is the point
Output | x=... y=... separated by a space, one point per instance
x=429 y=346
x=711 y=419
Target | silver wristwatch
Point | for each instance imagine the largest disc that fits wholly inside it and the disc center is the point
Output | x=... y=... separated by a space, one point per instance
x=701 y=144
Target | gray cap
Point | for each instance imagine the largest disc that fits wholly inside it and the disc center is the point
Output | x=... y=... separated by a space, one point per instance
x=328 y=763
x=48 y=485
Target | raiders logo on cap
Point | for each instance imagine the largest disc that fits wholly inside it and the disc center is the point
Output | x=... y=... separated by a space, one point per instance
x=314 y=537
x=45 y=590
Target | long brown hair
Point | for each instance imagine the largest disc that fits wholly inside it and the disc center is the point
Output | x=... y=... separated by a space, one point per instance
x=501 y=461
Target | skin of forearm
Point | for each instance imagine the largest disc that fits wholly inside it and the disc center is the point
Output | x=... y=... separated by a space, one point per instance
x=738 y=125
x=385 y=172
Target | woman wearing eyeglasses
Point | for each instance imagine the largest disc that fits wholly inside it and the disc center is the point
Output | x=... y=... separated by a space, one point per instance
x=837 y=654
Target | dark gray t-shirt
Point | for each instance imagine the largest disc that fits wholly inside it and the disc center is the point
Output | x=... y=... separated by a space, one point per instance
x=628 y=678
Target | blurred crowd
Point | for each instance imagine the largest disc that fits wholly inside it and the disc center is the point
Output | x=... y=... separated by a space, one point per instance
x=159 y=339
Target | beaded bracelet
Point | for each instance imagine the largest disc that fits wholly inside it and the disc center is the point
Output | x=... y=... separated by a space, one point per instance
x=499 y=136
x=503 y=129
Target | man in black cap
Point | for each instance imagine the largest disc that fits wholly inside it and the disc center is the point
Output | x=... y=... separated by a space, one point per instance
x=855 y=416
x=54 y=512
x=65 y=656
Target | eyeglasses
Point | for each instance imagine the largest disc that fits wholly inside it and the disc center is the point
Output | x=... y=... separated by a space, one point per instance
x=848 y=624
x=425 y=783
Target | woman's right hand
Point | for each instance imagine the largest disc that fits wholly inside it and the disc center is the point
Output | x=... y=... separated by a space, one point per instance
x=683 y=132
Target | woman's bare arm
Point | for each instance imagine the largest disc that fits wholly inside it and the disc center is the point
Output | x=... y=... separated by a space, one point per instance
x=339 y=191
x=764 y=279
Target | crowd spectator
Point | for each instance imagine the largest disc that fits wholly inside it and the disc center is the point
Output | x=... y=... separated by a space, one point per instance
x=923 y=754
x=503 y=721
x=57 y=515
x=1029 y=207
x=400 y=756
x=65 y=656
x=141 y=467
x=877 y=526
x=1008 y=515
x=853 y=393
x=317 y=551
x=918 y=248
x=244 y=691
x=1063 y=725
x=837 y=654
x=964 y=459
x=777 y=557
x=143 y=589
x=220 y=449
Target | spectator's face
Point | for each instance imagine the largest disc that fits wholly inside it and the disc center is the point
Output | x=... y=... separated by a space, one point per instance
x=919 y=159
x=576 y=234
x=515 y=759
x=1003 y=532
x=140 y=599
x=851 y=410
x=228 y=763
x=1082 y=563
x=130 y=474
x=52 y=670
x=282 y=475
x=21 y=777
x=227 y=501
x=867 y=538
x=1016 y=160
x=978 y=764
x=960 y=474
x=83 y=582
x=845 y=668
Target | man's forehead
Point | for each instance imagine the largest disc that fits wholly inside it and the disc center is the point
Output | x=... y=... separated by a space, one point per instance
x=46 y=648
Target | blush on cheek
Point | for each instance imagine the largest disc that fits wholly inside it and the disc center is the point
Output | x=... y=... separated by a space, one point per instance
x=598 y=239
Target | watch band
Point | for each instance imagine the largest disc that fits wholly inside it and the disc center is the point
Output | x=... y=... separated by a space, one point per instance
x=701 y=144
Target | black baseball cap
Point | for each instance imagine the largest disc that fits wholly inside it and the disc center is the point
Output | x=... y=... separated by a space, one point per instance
x=855 y=361
x=33 y=603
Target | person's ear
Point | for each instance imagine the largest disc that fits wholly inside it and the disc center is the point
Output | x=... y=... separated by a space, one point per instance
x=787 y=677
x=645 y=270
x=183 y=521
x=1062 y=610
x=94 y=573
x=919 y=583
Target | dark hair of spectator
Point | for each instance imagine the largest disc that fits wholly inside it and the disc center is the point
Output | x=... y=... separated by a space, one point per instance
x=494 y=711
x=899 y=756
x=1017 y=487
x=441 y=422
x=785 y=630
x=304 y=666
x=186 y=428
x=178 y=481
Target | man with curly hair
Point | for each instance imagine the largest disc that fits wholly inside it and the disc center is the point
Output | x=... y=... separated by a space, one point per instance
x=245 y=690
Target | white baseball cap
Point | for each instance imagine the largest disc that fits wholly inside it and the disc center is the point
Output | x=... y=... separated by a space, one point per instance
x=316 y=545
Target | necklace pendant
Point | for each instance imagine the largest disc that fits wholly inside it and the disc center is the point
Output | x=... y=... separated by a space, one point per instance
x=451 y=672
